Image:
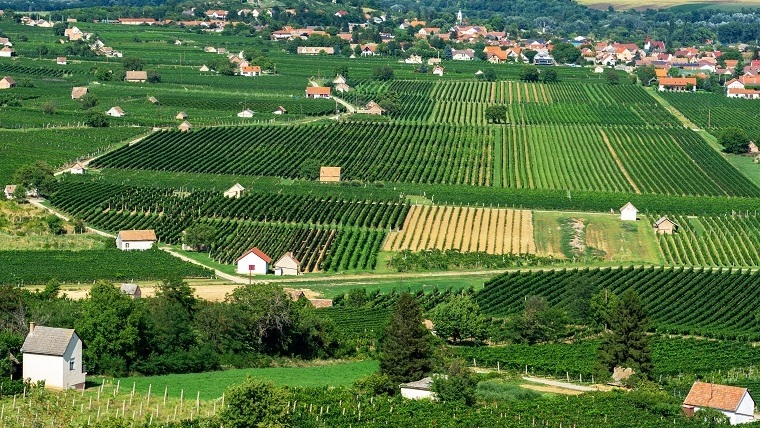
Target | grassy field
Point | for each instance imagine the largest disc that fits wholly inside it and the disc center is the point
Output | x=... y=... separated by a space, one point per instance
x=213 y=384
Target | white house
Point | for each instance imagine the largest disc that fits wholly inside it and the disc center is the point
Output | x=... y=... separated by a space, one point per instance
x=438 y=70
x=79 y=168
x=732 y=401
x=54 y=355
x=253 y=261
x=287 y=265
x=135 y=240
x=245 y=113
x=628 y=212
x=115 y=111
x=418 y=390
x=280 y=110
x=236 y=191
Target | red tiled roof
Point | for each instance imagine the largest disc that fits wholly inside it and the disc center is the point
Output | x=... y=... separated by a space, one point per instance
x=715 y=396
x=255 y=250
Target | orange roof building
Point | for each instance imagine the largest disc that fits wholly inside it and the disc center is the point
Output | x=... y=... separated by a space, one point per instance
x=734 y=402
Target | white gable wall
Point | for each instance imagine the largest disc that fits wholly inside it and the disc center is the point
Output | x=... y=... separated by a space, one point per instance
x=55 y=370
x=286 y=266
x=628 y=214
x=252 y=260
x=133 y=245
x=73 y=377
x=416 y=394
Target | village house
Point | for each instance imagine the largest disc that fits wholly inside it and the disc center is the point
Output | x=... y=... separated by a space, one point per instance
x=78 y=92
x=495 y=55
x=628 y=212
x=78 y=169
x=413 y=59
x=279 y=110
x=247 y=113
x=137 y=21
x=372 y=108
x=131 y=290
x=234 y=192
x=543 y=58
x=339 y=79
x=53 y=355
x=733 y=401
x=342 y=87
x=463 y=55
x=7 y=82
x=735 y=88
x=287 y=265
x=128 y=240
x=317 y=92
x=250 y=70
x=184 y=126
x=315 y=50
x=433 y=61
x=418 y=390
x=217 y=14
x=679 y=84
x=73 y=34
x=61 y=60
x=329 y=174
x=665 y=226
x=115 y=111
x=136 y=76
x=7 y=52
x=253 y=262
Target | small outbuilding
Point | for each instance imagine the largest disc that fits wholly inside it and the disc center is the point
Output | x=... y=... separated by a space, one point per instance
x=418 y=390
x=78 y=169
x=153 y=100
x=234 y=192
x=665 y=226
x=9 y=190
x=54 y=355
x=372 y=108
x=329 y=174
x=136 y=76
x=287 y=265
x=78 y=92
x=245 y=113
x=131 y=290
x=184 y=126
x=61 y=60
x=253 y=262
x=115 y=111
x=317 y=92
x=7 y=82
x=438 y=70
x=733 y=401
x=628 y=212
x=128 y=240
x=279 y=110
x=181 y=116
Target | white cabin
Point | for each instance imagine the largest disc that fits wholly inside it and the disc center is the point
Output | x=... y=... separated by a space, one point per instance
x=287 y=265
x=733 y=401
x=54 y=355
x=253 y=262
x=235 y=192
x=418 y=390
x=128 y=240
x=245 y=113
x=628 y=212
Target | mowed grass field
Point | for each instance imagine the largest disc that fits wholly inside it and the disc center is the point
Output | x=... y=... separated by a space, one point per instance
x=213 y=384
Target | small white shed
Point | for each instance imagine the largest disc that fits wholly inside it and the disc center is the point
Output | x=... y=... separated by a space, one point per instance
x=418 y=390
x=53 y=355
x=115 y=111
x=245 y=113
x=235 y=192
x=287 y=265
x=733 y=401
x=628 y=212
x=253 y=262
x=131 y=290
x=79 y=168
x=128 y=240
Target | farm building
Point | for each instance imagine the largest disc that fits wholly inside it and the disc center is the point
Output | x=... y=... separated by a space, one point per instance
x=339 y=79
x=78 y=169
x=235 y=192
x=115 y=111
x=250 y=70
x=287 y=265
x=181 y=116
x=184 y=126
x=131 y=290
x=9 y=189
x=53 y=355
x=438 y=70
x=679 y=84
x=598 y=69
x=136 y=76
x=342 y=87
x=372 y=108
x=735 y=89
x=78 y=92
x=61 y=60
x=753 y=148
x=245 y=113
x=128 y=240
x=204 y=67
x=317 y=92
x=418 y=390
x=279 y=110
x=732 y=401
x=628 y=212
x=253 y=262
x=329 y=174
x=7 y=82
x=7 y=52
x=153 y=100
x=463 y=55
x=665 y=226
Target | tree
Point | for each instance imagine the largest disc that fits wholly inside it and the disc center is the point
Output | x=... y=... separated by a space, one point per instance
x=405 y=349
x=59 y=29
x=96 y=119
x=39 y=176
x=263 y=318
x=55 y=224
x=383 y=73
x=529 y=73
x=458 y=318
x=601 y=305
x=565 y=53
x=49 y=107
x=133 y=63
x=199 y=236
x=549 y=75
x=153 y=77
x=539 y=322
x=497 y=113
x=19 y=195
x=457 y=386
x=171 y=311
x=529 y=54
x=646 y=74
x=579 y=293
x=88 y=101
x=489 y=75
x=612 y=77
x=734 y=140
x=342 y=71
x=674 y=72
x=255 y=404
x=627 y=343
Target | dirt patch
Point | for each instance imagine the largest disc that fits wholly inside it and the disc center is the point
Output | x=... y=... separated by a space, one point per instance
x=551 y=389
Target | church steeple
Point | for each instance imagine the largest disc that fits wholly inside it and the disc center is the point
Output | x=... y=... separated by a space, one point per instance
x=459 y=17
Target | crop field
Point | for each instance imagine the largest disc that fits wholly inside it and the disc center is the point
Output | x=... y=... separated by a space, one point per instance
x=494 y=231
x=675 y=298
x=714 y=112
x=713 y=241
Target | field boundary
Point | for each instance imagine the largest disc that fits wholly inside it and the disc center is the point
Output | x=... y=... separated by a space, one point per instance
x=619 y=163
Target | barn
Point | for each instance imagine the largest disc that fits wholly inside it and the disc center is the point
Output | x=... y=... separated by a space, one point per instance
x=128 y=240
x=733 y=401
x=54 y=355
x=115 y=111
x=253 y=262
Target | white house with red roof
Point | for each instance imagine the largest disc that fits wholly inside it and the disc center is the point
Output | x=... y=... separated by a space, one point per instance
x=733 y=401
x=253 y=262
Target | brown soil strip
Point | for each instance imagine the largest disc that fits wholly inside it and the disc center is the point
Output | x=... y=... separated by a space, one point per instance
x=444 y=229
x=485 y=223
x=551 y=389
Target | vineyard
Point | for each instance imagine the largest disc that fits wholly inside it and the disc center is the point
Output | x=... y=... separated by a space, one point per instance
x=323 y=233
x=257 y=104
x=714 y=112
x=494 y=231
x=713 y=241
x=16 y=69
x=90 y=265
x=717 y=303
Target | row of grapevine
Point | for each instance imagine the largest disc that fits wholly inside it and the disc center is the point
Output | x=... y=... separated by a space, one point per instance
x=676 y=299
x=16 y=69
x=365 y=151
x=716 y=111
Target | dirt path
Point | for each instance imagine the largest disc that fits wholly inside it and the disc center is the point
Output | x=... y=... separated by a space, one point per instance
x=217 y=272
x=349 y=107
x=619 y=163
x=37 y=202
x=87 y=161
x=558 y=384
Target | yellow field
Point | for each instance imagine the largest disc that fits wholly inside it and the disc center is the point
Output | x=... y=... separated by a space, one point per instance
x=494 y=231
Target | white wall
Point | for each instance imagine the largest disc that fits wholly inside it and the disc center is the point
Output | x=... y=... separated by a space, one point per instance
x=416 y=394
x=628 y=215
x=44 y=367
x=75 y=377
x=133 y=245
x=251 y=259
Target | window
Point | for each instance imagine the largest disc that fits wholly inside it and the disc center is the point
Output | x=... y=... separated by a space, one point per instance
x=71 y=363
x=251 y=267
x=126 y=245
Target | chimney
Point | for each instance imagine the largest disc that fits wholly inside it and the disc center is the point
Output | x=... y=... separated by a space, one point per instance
x=31 y=327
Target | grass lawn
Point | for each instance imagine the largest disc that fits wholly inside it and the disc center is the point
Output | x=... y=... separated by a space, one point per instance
x=213 y=384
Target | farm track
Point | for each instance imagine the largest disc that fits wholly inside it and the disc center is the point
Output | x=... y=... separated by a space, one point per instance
x=619 y=163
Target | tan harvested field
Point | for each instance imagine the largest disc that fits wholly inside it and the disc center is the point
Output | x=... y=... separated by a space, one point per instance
x=491 y=230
